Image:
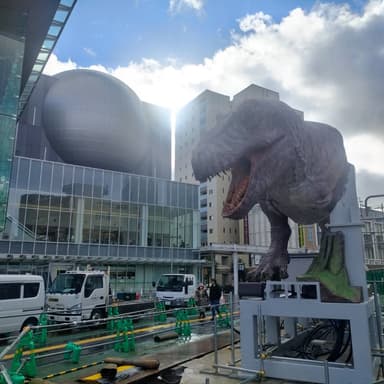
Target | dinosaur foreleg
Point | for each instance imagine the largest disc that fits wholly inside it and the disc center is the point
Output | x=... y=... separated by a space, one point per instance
x=273 y=265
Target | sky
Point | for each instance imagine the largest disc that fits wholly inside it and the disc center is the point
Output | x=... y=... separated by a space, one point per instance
x=324 y=58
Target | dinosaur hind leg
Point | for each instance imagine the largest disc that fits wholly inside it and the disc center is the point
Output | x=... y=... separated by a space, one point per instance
x=273 y=265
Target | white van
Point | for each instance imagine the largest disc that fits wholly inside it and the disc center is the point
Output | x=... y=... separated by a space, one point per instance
x=22 y=299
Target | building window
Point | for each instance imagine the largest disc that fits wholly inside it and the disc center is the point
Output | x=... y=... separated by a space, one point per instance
x=210 y=192
x=209 y=204
x=210 y=217
x=210 y=230
x=309 y=234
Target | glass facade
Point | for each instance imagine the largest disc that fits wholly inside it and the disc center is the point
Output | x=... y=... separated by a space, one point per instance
x=60 y=209
x=20 y=68
x=11 y=63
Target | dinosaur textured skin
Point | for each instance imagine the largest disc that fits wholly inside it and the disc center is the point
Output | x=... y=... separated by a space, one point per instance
x=291 y=167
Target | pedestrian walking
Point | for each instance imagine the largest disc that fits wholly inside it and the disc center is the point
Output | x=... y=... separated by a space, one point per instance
x=214 y=297
x=201 y=298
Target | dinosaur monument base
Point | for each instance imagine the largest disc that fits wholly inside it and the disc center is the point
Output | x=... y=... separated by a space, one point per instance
x=329 y=269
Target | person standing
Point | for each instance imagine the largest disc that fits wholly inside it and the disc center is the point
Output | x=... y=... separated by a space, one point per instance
x=201 y=298
x=214 y=297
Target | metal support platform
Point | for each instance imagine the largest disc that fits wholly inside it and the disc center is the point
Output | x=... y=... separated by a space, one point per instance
x=255 y=311
x=260 y=319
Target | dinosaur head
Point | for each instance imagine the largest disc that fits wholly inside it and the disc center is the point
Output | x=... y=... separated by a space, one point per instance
x=244 y=142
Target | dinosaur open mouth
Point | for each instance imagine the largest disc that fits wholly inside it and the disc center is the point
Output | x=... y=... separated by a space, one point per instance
x=238 y=189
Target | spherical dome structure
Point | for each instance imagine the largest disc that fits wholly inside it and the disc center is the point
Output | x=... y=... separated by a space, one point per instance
x=94 y=119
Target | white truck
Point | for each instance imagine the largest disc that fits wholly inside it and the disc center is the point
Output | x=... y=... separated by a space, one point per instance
x=175 y=289
x=78 y=295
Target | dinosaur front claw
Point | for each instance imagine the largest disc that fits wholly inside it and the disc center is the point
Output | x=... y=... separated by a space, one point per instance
x=270 y=268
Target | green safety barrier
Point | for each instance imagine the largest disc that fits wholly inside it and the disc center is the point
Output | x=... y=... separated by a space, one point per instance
x=40 y=335
x=15 y=378
x=224 y=320
x=111 y=322
x=18 y=367
x=160 y=314
x=192 y=307
x=72 y=351
x=125 y=337
x=183 y=325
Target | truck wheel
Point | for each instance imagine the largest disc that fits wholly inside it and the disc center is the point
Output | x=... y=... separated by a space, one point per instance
x=97 y=314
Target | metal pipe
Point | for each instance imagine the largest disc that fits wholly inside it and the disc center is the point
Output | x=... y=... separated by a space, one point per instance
x=90 y=346
x=366 y=202
x=5 y=374
x=261 y=336
x=232 y=330
x=215 y=342
x=166 y=336
x=240 y=369
x=326 y=372
x=87 y=347
x=378 y=322
x=10 y=346
x=235 y=257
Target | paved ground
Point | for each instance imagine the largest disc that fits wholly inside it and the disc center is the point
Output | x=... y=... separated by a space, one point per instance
x=196 y=371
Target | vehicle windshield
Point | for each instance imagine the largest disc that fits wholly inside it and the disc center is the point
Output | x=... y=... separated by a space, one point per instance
x=174 y=283
x=67 y=283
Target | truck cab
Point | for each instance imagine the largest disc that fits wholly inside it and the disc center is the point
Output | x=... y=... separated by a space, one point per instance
x=175 y=289
x=78 y=295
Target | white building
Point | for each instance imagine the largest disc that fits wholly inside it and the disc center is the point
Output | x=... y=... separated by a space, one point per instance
x=373 y=233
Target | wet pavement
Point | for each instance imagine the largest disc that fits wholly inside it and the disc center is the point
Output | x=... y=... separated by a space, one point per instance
x=192 y=357
x=201 y=370
x=171 y=353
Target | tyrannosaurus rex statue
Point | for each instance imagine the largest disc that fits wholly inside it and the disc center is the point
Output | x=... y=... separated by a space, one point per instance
x=291 y=167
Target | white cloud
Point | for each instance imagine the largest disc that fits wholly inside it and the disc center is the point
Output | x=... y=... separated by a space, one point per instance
x=89 y=51
x=54 y=65
x=177 y=5
x=366 y=152
x=328 y=62
x=257 y=22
